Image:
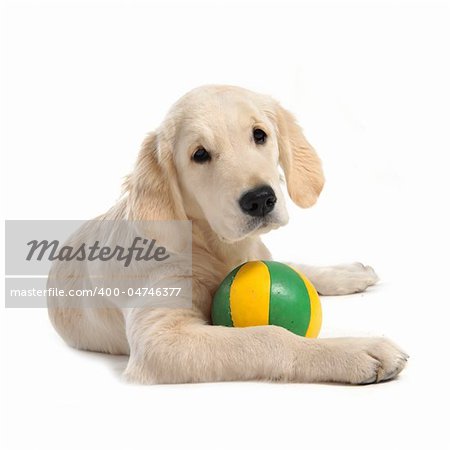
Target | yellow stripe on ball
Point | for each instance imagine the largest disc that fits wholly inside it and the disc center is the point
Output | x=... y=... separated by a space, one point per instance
x=316 y=310
x=250 y=295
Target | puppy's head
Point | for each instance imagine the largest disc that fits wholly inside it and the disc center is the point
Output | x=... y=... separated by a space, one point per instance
x=216 y=158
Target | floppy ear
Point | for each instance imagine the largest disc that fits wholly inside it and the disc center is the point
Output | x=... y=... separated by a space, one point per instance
x=300 y=163
x=153 y=192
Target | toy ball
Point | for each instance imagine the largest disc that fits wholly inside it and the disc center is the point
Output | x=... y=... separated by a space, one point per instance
x=268 y=293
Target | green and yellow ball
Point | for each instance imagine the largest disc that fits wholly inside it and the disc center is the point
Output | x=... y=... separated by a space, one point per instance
x=268 y=293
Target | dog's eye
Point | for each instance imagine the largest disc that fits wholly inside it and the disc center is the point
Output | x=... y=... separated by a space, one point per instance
x=201 y=156
x=259 y=136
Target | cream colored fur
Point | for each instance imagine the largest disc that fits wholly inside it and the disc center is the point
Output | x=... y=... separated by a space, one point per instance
x=179 y=345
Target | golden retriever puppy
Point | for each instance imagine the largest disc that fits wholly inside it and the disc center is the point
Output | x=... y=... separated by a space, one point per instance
x=214 y=161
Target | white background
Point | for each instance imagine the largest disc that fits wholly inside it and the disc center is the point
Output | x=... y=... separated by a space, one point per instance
x=82 y=82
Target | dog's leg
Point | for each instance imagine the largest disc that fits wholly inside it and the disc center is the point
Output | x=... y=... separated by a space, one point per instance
x=341 y=279
x=178 y=346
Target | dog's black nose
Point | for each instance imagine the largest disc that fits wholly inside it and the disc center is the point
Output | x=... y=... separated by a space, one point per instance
x=259 y=201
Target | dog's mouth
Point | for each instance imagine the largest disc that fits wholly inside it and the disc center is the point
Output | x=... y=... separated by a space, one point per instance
x=253 y=227
x=260 y=225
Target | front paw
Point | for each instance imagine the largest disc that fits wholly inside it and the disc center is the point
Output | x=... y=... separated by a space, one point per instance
x=345 y=279
x=367 y=360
